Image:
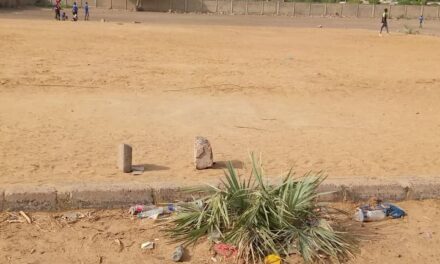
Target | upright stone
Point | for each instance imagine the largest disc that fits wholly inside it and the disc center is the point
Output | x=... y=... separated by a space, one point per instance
x=203 y=157
x=124 y=157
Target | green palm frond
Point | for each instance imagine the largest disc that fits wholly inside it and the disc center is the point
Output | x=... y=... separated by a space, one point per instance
x=262 y=219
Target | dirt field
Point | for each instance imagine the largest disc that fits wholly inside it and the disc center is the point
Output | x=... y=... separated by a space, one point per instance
x=414 y=239
x=340 y=100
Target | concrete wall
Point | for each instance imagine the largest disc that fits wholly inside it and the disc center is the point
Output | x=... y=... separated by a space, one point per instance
x=274 y=7
x=254 y=7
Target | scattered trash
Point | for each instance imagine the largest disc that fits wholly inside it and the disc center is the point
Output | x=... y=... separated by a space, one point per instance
x=28 y=219
x=177 y=254
x=72 y=217
x=152 y=214
x=319 y=26
x=138 y=208
x=147 y=245
x=377 y=212
x=214 y=259
x=137 y=170
x=225 y=250
x=136 y=22
x=102 y=20
x=119 y=243
x=272 y=259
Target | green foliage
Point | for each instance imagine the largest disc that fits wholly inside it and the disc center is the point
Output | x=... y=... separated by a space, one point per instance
x=411 y=2
x=262 y=219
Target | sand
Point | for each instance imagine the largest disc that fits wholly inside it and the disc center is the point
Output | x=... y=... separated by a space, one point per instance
x=344 y=101
x=414 y=239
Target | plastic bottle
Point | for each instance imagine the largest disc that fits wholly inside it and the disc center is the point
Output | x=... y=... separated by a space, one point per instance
x=374 y=215
x=138 y=208
x=365 y=215
x=153 y=213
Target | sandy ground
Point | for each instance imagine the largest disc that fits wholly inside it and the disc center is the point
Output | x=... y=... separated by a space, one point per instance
x=340 y=100
x=414 y=239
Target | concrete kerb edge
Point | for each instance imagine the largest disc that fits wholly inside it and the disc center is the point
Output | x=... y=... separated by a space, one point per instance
x=29 y=198
x=2 y=199
x=124 y=195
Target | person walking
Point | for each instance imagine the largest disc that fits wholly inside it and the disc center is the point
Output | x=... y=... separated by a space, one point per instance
x=384 y=21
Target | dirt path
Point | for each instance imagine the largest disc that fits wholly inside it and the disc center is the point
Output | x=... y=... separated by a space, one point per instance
x=70 y=92
x=432 y=27
x=414 y=239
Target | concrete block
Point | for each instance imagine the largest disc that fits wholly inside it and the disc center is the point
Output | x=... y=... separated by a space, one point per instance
x=418 y=191
x=387 y=192
x=30 y=199
x=104 y=197
x=124 y=158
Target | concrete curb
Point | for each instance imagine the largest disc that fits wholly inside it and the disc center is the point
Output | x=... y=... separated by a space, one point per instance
x=111 y=196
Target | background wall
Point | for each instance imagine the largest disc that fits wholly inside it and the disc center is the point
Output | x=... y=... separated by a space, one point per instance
x=251 y=7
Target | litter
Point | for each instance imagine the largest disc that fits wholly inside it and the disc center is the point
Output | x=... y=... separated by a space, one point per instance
x=272 y=259
x=28 y=219
x=138 y=208
x=225 y=250
x=153 y=213
x=177 y=254
x=147 y=245
x=119 y=243
x=72 y=217
x=137 y=170
x=380 y=211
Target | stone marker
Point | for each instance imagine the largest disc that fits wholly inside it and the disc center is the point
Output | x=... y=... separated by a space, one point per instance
x=124 y=158
x=203 y=157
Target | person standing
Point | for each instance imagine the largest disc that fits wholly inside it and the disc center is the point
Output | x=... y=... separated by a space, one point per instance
x=86 y=11
x=421 y=19
x=75 y=11
x=57 y=9
x=384 y=21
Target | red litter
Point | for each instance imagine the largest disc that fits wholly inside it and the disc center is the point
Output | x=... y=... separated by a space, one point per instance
x=225 y=250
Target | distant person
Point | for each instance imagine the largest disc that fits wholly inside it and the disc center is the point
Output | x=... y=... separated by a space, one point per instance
x=64 y=16
x=75 y=11
x=421 y=19
x=86 y=11
x=384 y=21
x=57 y=9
